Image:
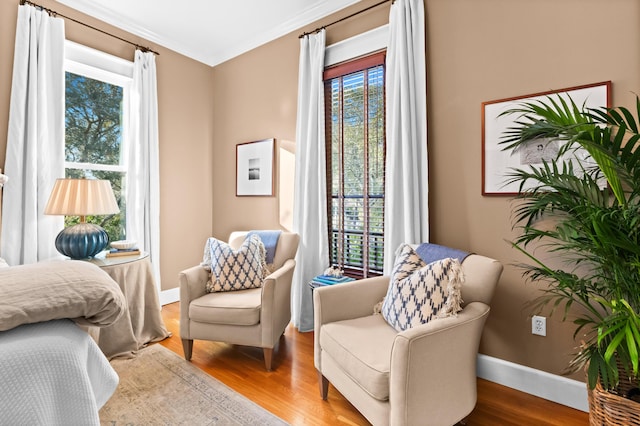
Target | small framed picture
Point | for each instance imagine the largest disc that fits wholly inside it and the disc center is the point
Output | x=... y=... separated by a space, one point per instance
x=497 y=163
x=254 y=168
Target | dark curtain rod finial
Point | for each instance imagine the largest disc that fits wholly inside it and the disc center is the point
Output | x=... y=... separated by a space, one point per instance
x=54 y=13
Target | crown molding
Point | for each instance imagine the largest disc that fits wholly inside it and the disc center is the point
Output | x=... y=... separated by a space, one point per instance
x=313 y=14
x=100 y=12
x=215 y=55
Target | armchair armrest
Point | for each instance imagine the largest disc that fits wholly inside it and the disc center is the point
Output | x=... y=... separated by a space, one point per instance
x=436 y=362
x=193 y=282
x=275 y=314
x=349 y=300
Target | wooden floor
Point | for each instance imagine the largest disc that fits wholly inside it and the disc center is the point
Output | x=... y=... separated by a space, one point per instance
x=291 y=392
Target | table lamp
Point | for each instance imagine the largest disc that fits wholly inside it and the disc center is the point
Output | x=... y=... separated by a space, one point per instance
x=81 y=197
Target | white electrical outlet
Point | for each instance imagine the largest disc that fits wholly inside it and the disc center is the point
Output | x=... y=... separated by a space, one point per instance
x=539 y=325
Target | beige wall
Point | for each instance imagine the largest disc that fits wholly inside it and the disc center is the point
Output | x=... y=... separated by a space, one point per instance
x=255 y=97
x=492 y=49
x=185 y=128
x=477 y=51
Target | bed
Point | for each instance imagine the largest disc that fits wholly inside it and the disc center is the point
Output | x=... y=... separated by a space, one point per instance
x=51 y=371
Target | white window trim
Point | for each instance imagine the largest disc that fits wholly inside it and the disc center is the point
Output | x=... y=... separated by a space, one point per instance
x=94 y=166
x=356 y=46
x=85 y=55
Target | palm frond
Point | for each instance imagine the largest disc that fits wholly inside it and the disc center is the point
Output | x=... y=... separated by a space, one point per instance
x=596 y=228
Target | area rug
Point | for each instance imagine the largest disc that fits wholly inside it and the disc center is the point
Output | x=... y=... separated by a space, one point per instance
x=158 y=387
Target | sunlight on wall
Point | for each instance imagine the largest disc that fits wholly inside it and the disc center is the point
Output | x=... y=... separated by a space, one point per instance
x=287 y=157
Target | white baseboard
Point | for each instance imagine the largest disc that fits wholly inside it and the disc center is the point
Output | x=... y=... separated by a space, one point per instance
x=169 y=296
x=562 y=390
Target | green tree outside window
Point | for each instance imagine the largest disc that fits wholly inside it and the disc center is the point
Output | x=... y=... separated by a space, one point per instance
x=93 y=142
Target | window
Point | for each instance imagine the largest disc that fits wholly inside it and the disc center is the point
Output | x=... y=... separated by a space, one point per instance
x=355 y=140
x=96 y=118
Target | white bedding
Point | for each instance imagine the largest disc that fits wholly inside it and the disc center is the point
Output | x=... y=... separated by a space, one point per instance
x=52 y=373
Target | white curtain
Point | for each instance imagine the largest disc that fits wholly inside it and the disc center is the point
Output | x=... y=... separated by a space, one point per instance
x=143 y=189
x=406 y=191
x=35 y=142
x=310 y=194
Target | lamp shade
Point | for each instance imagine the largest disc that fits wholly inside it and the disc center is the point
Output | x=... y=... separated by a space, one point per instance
x=81 y=197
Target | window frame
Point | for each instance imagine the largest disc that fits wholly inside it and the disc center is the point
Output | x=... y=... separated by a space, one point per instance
x=97 y=65
x=357 y=65
x=364 y=44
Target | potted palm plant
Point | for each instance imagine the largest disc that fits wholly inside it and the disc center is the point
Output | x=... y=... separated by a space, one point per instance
x=594 y=206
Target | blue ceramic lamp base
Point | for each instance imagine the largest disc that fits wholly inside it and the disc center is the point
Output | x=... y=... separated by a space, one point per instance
x=82 y=241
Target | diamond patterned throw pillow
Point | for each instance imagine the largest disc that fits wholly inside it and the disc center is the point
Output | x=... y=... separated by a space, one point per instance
x=267 y=268
x=236 y=270
x=419 y=292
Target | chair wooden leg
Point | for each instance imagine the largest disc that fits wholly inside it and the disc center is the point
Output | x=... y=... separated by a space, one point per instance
x=187 y=347
x=268 y=356
x=324 y=386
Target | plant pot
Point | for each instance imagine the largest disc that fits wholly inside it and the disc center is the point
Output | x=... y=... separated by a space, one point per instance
x=607 y=408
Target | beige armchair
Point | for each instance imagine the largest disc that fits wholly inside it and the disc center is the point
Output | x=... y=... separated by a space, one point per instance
x=425 y=375
x=255 y=317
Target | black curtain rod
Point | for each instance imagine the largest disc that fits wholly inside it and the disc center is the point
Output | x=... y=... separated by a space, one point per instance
x=54 y=13
x=345 y=18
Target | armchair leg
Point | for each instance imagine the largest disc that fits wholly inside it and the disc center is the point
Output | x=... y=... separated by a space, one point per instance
x=187 y=347
x=268 y=356
x=324 y=386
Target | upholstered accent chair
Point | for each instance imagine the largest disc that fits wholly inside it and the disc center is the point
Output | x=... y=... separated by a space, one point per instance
x=425 y=375
x=254 y=317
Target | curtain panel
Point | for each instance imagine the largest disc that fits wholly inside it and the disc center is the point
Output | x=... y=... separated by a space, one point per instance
x=406 y=186
x=143 y=176
x=35 y=141
x=310 y=192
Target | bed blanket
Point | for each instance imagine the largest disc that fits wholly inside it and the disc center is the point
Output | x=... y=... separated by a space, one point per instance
x=59 y=289
x=52 y=373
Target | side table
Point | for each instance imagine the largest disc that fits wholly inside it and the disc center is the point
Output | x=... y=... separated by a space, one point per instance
x=142 y=321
